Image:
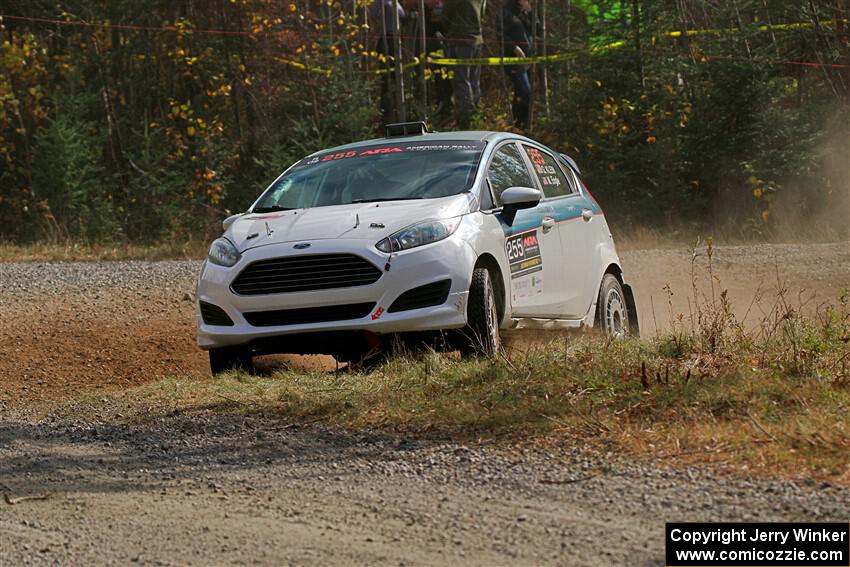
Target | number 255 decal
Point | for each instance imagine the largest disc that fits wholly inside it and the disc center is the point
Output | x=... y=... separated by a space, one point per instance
x=523 y=252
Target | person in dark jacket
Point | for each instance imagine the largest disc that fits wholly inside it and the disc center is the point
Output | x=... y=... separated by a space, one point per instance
x=436 y=28
x=383 y=13
x=518 y=31
x=435 y=40
x=465 y=39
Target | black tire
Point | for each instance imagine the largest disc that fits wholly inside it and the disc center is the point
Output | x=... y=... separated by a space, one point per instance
x=481 y=334
x=230 y=358
x=612 y=312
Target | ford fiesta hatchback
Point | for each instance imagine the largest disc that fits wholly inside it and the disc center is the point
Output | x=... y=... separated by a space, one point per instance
x=453 y=235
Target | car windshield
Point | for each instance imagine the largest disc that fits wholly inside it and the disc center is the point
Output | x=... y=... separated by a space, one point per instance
x=389 y=172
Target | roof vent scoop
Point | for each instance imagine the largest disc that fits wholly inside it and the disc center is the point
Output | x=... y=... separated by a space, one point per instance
x=406 y=129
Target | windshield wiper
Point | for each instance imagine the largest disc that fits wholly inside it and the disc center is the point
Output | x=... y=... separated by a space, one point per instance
x=384 y=199
x=271 y=209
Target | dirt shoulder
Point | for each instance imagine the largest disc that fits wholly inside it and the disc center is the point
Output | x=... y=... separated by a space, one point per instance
x=810 y=275
x=68 y=329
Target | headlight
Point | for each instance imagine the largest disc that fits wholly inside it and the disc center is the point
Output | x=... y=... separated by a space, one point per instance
x=224 y=253
x=418 y=235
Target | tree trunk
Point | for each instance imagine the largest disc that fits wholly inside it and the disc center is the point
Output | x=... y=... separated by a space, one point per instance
x=638 y=55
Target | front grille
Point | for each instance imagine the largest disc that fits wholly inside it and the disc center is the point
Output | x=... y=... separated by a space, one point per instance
x=214 y=315
x=302 y=316
x=305 y=273
x=422 y=296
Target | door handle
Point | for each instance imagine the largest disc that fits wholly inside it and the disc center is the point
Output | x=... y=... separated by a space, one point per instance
x=587 y=215
x=548 y=224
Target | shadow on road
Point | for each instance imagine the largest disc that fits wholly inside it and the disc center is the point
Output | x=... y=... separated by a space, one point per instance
x=171 y=447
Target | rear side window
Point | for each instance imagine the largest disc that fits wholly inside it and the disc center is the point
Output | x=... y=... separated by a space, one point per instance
x=551 y=177
x=575 y=182
x=507 y=169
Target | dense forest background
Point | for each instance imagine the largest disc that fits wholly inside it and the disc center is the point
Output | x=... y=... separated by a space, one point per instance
x=140 y=120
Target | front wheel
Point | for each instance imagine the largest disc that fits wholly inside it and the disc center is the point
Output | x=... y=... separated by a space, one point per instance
x=481 y=334
x=230 y=358
x=612 y=313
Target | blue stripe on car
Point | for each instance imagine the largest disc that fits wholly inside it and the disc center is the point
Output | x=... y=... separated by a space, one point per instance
x=562 y=210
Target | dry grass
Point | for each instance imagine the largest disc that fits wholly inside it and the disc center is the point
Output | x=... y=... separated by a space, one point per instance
x=637 y=237
x=68 y=252
x=776 y=400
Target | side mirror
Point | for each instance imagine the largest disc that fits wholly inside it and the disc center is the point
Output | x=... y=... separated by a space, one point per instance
x=225 y=224
x=516 y=198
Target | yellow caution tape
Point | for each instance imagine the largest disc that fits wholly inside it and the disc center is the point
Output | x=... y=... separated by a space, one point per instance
x=448 y=61
x=534 y=60
x=415 y=63
x=328 y=72
x=304 y=67
x=723 y=31
x=537 y=59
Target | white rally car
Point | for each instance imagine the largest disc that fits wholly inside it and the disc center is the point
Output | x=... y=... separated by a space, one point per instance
x=455 y=235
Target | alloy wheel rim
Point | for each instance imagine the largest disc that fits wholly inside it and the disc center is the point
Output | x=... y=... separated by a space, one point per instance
x=492 y=320
x=615 y=315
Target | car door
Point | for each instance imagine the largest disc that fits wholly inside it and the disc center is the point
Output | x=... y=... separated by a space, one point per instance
x=532 y=246
x=574 y=217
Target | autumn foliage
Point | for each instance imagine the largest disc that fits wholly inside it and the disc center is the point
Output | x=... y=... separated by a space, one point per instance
x=127 y=121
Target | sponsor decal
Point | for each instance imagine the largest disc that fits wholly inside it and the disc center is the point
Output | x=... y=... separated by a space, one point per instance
x=546 y=173
x=377 y=314
x=375 y=152
x=527 y=286
x=339 y=155
x=523 y=251
x=395 y=149
x=535 y=155
x=444 y=147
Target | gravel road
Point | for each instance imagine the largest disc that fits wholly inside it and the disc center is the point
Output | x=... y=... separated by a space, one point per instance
x=167 y=488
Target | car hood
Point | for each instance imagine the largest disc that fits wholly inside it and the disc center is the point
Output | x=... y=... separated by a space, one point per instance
x=372 y=221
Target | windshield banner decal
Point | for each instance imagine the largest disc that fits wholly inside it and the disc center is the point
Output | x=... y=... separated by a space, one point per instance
x=460 y=146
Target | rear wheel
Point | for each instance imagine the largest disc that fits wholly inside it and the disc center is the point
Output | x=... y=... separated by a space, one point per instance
x=612 y=314
x=230 y=358
x=481 y=334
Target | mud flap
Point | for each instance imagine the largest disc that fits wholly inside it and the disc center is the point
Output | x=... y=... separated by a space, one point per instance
x=634 y=327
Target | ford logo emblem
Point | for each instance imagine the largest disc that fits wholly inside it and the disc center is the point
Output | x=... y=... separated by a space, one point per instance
x=302 y=245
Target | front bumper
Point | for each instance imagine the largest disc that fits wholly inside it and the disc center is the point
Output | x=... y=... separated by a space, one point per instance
x=451 y=259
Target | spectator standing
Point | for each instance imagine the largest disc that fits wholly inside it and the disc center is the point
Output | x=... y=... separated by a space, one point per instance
x=435 y=23
x=435 y=32
x=465 y=39
x=383 y=13
x=517 y=27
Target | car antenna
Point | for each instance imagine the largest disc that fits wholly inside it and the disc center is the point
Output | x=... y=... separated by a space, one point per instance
x=356 y=220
